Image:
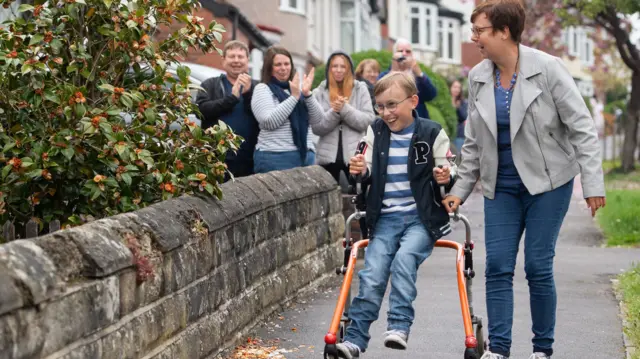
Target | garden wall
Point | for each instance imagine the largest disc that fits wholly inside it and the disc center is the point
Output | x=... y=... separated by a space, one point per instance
x=179 y=279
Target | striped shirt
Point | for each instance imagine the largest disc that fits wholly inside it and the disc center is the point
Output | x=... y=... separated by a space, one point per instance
x=397 y=191
x=273 y=118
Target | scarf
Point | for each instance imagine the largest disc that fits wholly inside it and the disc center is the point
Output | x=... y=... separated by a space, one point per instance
x=299 y=117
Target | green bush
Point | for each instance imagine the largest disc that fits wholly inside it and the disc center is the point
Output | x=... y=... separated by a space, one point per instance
x=447 y=113
x=70 y=76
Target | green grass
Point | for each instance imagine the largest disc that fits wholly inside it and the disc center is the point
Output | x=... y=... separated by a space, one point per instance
x=619 y=219
x=629 y=286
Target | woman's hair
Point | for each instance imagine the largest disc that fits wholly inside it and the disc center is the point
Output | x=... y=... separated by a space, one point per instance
x=346 y=87
x=503 y=13
x=363 y=65
x=400 y=78
x=267 y=66
x=460 y=96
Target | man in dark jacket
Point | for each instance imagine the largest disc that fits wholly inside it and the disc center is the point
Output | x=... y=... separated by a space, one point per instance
x=403 y=60
x=228 y=98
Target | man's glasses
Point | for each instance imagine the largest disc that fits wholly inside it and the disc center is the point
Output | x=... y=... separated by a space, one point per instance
x=478 y=30
x=391 y=106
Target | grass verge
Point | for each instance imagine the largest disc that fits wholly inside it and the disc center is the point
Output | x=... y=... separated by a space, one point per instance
x=619 y=219
x=629 y=287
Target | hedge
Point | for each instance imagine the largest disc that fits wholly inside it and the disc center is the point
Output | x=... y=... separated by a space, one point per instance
x=440 y=108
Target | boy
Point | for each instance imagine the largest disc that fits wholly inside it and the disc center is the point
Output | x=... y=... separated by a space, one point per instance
x=400 y=161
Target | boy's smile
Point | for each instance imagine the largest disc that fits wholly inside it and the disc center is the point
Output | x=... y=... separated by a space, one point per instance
x=396 y=108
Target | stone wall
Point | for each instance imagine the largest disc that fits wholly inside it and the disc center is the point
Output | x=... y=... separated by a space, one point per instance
x=179 y=279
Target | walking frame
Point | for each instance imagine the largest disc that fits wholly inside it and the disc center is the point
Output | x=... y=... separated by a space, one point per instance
x=475 y=344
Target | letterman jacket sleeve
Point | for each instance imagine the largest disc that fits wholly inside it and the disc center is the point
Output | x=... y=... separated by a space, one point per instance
x=441 y=155
x=365 y=147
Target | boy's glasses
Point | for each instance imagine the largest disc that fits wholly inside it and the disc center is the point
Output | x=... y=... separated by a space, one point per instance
x=478 y=30
x=391 y=106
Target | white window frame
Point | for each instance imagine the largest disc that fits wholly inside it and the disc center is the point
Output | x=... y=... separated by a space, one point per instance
x=314 y=22
x=285 y=5
x=256 y=60
x=449 y=26
x=361 y=16
x=580 y=45
x=427 y=41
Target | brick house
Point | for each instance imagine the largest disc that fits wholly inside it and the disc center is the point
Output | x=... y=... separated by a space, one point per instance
x=237 y=26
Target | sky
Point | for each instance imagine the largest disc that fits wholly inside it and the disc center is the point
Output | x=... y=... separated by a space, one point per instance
x=635 y=35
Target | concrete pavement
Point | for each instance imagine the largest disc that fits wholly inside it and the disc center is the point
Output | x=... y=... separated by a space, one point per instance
x=588 y=323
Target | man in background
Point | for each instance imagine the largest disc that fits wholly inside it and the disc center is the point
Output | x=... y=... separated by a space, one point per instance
x=228 y=98
x=404 y=61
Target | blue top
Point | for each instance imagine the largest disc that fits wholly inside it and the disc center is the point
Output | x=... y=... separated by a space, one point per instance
x=508 y=176
x=397 y=191
x=241 y=125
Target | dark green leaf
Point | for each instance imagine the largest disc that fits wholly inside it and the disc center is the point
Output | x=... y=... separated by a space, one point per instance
x=126 y=178
x=8 y=146
x=36 y=39
x=24 y=7
x=56 y=44
x=72 y=68
x=6 y=170
x=35 y=173
x=68 y=153
x=52 y=97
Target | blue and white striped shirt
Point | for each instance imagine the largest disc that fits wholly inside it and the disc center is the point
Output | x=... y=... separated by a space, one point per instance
x=397 y=191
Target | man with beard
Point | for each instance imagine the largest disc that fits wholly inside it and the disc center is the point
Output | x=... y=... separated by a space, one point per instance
x=228 y=98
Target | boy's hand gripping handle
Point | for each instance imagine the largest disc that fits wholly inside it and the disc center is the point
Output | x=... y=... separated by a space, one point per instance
x=443 y=191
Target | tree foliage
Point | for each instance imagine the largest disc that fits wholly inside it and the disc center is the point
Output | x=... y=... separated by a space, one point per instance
x=91 y=122
x=546 y=19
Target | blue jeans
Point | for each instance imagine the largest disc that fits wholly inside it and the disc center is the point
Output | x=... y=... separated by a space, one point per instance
x=400 y=243
x=267 y=161
x=507 y=216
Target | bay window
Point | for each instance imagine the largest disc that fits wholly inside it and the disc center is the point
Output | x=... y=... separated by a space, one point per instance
x=357 y=28
x=423 y=25
x=449 y=40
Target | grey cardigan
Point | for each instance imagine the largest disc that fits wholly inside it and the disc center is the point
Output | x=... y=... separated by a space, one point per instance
x=355 y=118
x=553 y=137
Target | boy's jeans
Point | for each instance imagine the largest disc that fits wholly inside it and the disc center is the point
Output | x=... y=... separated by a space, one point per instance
x=400 y=244
x=507 y=216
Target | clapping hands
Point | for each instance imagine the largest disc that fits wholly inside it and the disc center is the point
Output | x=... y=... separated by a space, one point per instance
x=338 y=104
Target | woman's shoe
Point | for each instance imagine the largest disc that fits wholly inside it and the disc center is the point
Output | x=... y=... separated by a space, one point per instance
x=490 y=355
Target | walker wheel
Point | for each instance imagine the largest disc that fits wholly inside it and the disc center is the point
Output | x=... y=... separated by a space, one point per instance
x=482 y=344
x=471 y=353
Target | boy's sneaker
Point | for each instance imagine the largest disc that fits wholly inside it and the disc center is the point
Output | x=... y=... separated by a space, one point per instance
x=490 y=355
x=348 y=350
x=396 y=339
x=539 y=356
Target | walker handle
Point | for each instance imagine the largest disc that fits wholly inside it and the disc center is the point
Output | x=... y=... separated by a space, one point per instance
x=443 y=191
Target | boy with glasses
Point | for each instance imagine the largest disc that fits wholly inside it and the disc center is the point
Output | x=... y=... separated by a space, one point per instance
x=401 y=162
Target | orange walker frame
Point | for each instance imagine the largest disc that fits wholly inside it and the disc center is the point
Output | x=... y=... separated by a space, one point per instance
x=474 y=337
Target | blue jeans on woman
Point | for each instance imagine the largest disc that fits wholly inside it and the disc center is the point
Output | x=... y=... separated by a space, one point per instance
x=400 y=244
x=267 y=161
x=507 y=216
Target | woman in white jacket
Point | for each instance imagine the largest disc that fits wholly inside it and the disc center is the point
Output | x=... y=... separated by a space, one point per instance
x=348 y=113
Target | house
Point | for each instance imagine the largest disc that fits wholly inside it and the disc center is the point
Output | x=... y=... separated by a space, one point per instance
x=435 y=30
x=236 y=24
x=313 y=29
x=579 y=56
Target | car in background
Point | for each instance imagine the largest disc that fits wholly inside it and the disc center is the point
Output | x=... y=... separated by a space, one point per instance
x=199 y=73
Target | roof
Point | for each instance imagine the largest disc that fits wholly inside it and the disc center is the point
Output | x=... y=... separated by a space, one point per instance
x=443 y=11
x=231 y=12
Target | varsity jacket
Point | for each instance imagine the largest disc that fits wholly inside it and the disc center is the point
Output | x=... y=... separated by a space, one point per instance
x=429 y=148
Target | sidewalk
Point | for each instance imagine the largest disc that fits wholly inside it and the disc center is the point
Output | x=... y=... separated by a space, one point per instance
x=587 y=321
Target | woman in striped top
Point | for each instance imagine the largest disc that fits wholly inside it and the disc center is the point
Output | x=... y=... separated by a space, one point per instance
x=285 y=111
